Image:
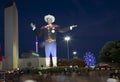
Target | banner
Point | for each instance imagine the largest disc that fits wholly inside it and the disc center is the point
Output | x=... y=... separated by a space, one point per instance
x=0 y=52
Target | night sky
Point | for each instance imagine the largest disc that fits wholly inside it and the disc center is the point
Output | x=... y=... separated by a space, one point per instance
x=98 y=22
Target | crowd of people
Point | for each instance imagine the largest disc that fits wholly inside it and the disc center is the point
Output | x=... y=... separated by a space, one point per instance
x=64 y=76
x=114 y=76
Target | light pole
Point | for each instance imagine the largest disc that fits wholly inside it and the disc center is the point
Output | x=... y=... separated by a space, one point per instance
x=36 y=44
x=67 y=38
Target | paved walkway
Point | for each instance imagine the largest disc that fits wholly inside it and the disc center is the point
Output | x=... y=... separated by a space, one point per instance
x=86 y=79
x=91 y=77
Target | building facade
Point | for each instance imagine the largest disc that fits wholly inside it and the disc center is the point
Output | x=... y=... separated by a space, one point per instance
x=11 y=36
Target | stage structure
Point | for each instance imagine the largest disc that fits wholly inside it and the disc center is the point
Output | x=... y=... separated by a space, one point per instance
x=11 y=36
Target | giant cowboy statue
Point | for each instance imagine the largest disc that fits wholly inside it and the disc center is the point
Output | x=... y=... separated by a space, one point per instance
x=49 y=31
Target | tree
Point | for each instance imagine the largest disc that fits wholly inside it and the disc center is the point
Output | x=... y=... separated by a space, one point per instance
x=74 y=62
x=111 y=52
x=63 y=62
x=77 y=62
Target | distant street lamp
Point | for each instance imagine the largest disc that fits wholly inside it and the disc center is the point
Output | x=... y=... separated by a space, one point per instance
x=67 y=39
x=74 y=54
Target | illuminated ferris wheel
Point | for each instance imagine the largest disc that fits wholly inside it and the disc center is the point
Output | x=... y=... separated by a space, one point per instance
x=89 y=59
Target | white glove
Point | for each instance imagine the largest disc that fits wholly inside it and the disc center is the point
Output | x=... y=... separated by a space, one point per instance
x=73 y=26
x=33 y=26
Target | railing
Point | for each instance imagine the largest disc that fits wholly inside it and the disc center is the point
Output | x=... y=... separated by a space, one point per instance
x=2 y=75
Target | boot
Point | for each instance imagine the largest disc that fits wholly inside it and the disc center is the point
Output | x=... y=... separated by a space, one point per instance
x=54 y=59
x=47 y=61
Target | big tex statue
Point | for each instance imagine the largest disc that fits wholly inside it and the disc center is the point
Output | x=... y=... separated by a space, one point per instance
x=49 y=32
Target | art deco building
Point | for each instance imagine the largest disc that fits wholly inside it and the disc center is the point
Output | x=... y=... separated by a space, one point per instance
x=11 y=36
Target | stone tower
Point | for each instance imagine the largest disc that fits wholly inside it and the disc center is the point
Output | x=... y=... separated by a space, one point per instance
x=11 y=36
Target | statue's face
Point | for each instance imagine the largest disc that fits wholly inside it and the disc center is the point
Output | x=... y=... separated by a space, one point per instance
x=49 y=20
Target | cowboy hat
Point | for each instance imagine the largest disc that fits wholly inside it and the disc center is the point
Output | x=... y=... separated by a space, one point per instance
x=49 y=16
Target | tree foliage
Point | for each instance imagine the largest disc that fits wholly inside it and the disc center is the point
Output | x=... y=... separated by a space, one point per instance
x=74 y=62
x=77 y=62
x=110 y=52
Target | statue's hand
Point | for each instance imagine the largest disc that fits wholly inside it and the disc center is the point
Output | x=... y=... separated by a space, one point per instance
x=73 y=26
x=32 y=25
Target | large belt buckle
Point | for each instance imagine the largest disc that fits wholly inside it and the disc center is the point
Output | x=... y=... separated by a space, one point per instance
x=50 y=40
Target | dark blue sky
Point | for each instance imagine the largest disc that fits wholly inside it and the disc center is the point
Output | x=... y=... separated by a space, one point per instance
x=98 y=22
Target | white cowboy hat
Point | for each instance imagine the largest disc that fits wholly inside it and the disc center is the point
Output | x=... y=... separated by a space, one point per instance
x=29 y=81
x=49 y=16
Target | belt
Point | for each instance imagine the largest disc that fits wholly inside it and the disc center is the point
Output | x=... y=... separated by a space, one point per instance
x=50 y=40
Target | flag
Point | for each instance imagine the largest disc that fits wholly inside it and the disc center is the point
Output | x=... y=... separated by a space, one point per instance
x=0 y=47
x=0 y=52
x=0 y=57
